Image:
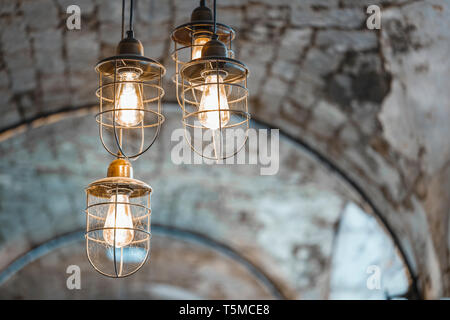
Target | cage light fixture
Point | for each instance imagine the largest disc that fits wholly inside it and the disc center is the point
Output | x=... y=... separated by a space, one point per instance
x=130 y=92
x=211 y=86
x=118 y=221
x=118 y=206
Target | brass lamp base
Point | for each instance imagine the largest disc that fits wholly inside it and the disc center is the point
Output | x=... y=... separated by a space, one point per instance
x=120 y=168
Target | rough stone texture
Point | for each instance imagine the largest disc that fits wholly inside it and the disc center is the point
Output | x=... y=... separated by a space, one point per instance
x=416 y=113
x=389 y=88
x=284 y=224
x=381 y=262
x=178 y=270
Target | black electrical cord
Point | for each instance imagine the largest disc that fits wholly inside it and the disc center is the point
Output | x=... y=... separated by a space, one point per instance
x=131 y=15
x=123 y=18
x=215 y=13
x=130 y=26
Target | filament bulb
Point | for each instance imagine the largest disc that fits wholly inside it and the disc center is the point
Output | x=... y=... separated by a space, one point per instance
x=214 y=95
x=117 y=221
x=198 y=46
x=129 y=103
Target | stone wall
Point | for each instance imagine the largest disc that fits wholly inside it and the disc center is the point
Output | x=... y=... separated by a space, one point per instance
x=375 y=103
x=293 y=226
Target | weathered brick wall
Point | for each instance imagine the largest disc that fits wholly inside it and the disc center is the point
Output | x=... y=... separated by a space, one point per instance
x=374 y=102
x=287 y=225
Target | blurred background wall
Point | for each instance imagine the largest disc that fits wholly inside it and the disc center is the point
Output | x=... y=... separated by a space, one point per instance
x=364 y=154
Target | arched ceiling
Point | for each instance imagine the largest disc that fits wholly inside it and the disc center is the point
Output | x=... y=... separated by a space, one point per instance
x=285 y=235
x=177 y=270
x=374 y=103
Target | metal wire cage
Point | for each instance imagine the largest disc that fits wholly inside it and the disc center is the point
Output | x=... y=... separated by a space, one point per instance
x=188 y=41
x=214 y=98
x=130 y=92
x=118 y=225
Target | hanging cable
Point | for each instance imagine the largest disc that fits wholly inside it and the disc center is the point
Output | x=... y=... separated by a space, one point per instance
x=131 y=16
x=123 y=18
x=215 y=11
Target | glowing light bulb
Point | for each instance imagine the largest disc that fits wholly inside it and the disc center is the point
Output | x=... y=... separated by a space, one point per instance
x=198 y=46
x=213 y=96
x=122 y=219
x=129 y=101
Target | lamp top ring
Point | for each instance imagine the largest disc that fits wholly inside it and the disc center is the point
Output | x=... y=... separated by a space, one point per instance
x=183 y=33
x=150 y=68
x=234 y=69
x=102 y=188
